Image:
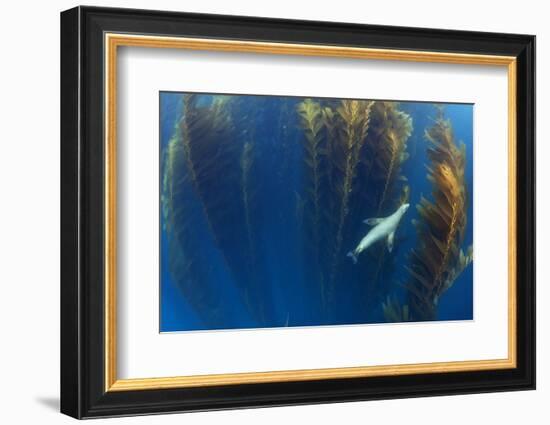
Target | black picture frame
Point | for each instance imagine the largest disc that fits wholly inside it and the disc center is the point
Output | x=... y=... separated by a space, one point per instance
x=83 y=392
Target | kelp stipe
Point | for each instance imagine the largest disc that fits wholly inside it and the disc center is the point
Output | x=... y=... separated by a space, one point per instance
x=437 y=259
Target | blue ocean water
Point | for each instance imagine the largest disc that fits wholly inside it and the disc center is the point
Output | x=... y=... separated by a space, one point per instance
x=238 y=247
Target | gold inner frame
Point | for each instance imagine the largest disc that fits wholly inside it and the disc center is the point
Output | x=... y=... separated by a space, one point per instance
x=113 y=41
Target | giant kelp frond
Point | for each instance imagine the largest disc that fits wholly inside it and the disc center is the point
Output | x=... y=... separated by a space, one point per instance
x=218 y=162
x=351 y=132
x=172 y=159
x=206 y=138
x=437 y=258
x=383 y=188
x=184 y=254
x=210 y=157
x=330 y=120
x=315 y=142
x=387 y=143
x=312 y=126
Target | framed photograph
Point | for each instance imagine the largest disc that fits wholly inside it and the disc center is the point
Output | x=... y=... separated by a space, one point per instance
x=261 y=212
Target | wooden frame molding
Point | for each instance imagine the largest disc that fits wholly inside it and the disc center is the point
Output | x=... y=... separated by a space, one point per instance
x=111 y=43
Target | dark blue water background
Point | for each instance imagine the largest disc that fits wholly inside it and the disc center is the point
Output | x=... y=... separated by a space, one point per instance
x=288 y=294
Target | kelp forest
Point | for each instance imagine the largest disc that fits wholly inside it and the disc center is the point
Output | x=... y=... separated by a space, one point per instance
x=287 y=211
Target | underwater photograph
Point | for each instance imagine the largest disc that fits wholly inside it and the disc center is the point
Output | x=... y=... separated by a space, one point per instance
x=281 y=211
